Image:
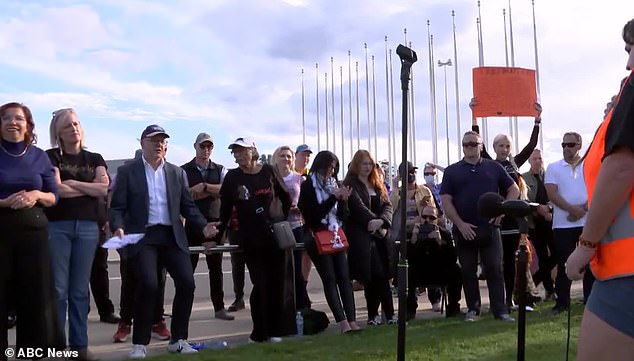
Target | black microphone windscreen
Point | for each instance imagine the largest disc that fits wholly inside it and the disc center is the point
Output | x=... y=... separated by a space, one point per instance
x=490 y=205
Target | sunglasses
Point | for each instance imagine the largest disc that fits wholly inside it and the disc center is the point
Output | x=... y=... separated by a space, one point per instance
x=429 y=173
x=471 y=144
x=206 y=146
x=429 y=217
x=569 y=144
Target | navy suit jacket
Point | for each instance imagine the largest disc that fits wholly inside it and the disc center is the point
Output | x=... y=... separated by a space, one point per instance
x=129 y=207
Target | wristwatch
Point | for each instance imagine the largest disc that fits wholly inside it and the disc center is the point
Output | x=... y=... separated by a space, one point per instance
x=584 y=242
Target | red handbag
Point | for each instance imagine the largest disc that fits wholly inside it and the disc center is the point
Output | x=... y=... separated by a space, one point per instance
x=329 y=242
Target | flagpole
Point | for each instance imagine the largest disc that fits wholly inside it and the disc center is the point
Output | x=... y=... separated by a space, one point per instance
x=343 y=149
x=332 y=104
x=485 y=126
x=303 y=112
x=432 y=91
x=389 y=120
x=515 y=124
x=356 y=66
x=367 y=95
x=326 y=109
x=392 y=111
x=541 y=133
x=412 y=116
x=506 y=53
x=317 y=95
x=351 y=133
x=376 y=147
x=455 y=69
x=444 y=65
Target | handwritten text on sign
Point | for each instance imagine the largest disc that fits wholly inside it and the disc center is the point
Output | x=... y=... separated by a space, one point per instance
x=503 y=92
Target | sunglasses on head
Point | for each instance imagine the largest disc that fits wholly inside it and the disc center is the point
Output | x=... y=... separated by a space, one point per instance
x=569 y=144
x=470 y=144
x=429 y=217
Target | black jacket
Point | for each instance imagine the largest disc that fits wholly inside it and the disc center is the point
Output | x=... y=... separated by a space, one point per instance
x=314 y=212
x=360 y=240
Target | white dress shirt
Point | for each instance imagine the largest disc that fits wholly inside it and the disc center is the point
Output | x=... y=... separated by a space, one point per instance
x=571 y=186
x=158 y=213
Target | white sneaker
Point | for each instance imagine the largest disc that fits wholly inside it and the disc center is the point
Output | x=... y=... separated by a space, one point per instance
x=181 y=346
x=137 y=352
x=275 y=339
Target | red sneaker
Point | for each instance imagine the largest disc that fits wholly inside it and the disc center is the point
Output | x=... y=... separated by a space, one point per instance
x=123 y=331
x=160 y=331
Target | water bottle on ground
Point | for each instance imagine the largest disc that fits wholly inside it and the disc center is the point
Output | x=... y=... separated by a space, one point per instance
x=210 y=345
x=299 y=321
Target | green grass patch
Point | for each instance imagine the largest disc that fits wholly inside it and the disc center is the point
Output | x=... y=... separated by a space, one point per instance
x=434 y=340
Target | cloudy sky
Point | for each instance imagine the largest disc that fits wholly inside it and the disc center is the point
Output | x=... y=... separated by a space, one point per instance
x=233 y=68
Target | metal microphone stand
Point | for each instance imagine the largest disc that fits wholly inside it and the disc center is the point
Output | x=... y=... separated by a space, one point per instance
x=408 y=57
x=522 y=266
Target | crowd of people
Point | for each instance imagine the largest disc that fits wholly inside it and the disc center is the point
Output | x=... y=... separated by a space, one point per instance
x=56 y=206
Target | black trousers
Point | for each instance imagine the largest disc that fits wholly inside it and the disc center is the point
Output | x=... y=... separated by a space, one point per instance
x=128 y=292
x=160 y=245
x=510 y=243
x=25 y=262
x=238 y=263
x=214 y=265
x=99 y=281
x=542 y=238
x=565 y=242
x=266 y=269
x=377 y=289
x=335 y=277
x=302 y=300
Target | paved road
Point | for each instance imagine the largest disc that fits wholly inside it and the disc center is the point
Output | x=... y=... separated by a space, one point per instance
x=202 y=324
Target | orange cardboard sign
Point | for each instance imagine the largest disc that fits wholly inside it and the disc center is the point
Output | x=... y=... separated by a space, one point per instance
x=503 y=92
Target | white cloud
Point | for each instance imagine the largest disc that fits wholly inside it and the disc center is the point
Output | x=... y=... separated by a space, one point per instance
x=234 y=67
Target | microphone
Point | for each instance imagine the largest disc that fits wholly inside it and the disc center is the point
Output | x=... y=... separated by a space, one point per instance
x=491 y=205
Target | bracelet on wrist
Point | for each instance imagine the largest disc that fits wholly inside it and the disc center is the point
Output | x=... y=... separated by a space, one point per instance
x=584 y=242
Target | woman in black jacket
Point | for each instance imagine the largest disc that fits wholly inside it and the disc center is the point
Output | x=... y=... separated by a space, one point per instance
x=323 y=203
x=370 y=257
x=251 y=189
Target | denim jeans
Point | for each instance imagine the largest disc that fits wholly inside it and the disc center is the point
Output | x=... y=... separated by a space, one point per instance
x=72 y=246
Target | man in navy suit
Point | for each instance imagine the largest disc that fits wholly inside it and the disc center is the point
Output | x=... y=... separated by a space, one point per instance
x=150 y=196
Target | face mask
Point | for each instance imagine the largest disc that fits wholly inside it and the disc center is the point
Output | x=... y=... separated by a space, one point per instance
x=429 y=179
x=411 y=178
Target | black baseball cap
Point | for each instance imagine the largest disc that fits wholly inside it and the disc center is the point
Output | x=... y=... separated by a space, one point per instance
x=410 y=167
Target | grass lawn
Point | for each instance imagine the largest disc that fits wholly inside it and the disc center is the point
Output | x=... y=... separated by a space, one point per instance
x=436 y=339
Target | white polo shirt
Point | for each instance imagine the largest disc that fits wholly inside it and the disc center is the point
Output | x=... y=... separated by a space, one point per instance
x=158 y=213
x=571 y=187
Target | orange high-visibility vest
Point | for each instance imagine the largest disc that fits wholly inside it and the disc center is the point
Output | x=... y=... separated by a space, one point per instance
x=615 y=255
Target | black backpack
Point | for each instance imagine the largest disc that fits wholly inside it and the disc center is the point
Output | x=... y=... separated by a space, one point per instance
x=314 y=321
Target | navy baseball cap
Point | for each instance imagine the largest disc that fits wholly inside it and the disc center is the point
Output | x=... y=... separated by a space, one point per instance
x=153 y=130
x=303 y=148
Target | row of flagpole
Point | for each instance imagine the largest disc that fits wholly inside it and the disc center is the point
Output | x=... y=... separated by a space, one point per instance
x=372 y=130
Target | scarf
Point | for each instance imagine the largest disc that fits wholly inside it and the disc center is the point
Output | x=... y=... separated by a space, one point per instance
x=324 y=188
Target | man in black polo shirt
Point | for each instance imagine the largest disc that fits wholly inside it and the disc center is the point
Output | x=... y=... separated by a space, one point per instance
x=462 y=185
x=205 y=178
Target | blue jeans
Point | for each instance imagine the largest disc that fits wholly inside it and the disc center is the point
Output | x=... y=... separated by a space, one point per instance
x=72 y=246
